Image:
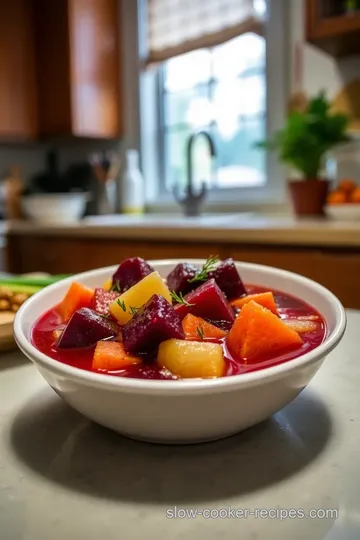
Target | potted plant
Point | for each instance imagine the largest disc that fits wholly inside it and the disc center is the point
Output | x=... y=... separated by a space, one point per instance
x=302 y=144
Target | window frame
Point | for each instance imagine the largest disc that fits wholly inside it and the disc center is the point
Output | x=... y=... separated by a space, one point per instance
x=146 y=117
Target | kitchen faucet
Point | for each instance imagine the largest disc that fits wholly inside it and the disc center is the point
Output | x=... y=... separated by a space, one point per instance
x=192 y=199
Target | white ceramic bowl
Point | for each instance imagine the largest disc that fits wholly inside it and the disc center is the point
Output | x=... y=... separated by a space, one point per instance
x=56 y=208
x=343 y=212
x=185 y=411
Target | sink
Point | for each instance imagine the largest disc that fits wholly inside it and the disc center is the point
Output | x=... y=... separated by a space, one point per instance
x=163 y=219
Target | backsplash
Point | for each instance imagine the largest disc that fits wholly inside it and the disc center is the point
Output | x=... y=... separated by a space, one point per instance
x=31 y=158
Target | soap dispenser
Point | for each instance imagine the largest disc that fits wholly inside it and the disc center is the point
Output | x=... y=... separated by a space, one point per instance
x=132 y=185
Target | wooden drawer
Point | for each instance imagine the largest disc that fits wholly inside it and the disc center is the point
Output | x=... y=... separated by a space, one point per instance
x=337 y=270
x=70 y=255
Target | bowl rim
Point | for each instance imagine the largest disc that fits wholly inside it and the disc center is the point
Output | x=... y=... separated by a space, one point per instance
x=132 y=385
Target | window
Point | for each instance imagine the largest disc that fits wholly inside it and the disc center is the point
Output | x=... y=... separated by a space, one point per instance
x=221 y=90
x=225 y=87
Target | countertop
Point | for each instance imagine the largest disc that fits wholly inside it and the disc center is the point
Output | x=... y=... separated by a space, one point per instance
x=62 y=477
x=226 y=228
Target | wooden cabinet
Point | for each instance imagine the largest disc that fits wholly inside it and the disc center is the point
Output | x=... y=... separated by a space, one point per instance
x=60 y=69
x=330 y=29
x=77 y=67
x=17 y=75
x=70 y=255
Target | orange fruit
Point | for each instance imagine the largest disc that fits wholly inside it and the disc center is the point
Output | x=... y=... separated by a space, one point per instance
x=337 y=197
x=355 y=196
x=347 y=186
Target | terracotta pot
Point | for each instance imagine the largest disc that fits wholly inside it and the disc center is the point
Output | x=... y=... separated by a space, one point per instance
x=308 y=196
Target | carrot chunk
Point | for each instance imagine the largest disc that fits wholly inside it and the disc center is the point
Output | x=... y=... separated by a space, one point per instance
x=111 y=355
x=265 y=299
x=77 y=297
x=197 y=329
x=258 y=333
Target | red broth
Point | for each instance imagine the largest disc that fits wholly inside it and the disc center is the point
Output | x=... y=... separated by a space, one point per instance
x=289 y=308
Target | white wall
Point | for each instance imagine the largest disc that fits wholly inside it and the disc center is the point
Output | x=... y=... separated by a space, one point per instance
x=320 y=72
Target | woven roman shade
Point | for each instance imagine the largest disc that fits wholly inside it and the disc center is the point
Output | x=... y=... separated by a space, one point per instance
x=179 y=26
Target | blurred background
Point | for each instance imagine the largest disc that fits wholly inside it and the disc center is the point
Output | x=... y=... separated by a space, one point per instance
x=177 y=128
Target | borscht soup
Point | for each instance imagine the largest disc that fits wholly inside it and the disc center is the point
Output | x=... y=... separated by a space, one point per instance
x=197 y=323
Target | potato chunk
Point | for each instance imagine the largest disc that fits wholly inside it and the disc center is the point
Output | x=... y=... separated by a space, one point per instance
x=190 y=359
x=124 y=307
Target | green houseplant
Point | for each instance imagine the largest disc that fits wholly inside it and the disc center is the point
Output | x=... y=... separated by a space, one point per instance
x=302 y=144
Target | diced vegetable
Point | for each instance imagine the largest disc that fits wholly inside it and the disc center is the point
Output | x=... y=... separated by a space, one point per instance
x=265 y=299
x=107 y=285
x=197 y=329
x=301 y=326
x=189 y=359
x=56 y=334
x=155 y=322
x=102 y=300
x=258 y=333
x=207 y=301
x=110 y=356
x=228 y=279
x=124 y=307
x=78 y=296
x=130 y=272
x=178 y=280
x=84 y=329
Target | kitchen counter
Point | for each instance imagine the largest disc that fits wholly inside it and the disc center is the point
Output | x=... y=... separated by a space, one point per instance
x=243 y=228
x=64 y=477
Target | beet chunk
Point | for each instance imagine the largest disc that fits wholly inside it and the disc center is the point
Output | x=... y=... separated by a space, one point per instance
x=130 y=272
x=178 y=279
x=85 y=328
x=228 y=279
x=102 y=300
x=208 y=302
x=155 y=321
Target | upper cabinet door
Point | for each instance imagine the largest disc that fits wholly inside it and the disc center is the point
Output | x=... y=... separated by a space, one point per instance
x=94 y=67
x=17 y=72
x=78 y=67
x=332 y=27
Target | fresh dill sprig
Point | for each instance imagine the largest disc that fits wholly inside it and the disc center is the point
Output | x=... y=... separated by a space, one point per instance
x=200 y=332
x=208 y=266
x=116 y=286
x=134 y=310
x=121 y=303
x=179 y=299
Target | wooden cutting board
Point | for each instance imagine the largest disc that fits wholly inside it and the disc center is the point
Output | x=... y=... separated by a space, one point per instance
x=7 y=341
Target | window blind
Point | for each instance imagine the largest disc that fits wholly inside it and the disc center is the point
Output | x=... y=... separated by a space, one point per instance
x=179 y=26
